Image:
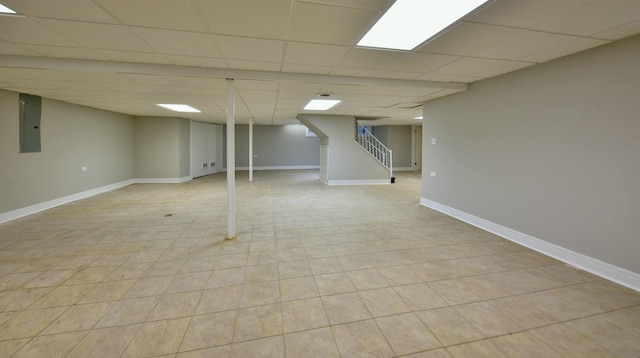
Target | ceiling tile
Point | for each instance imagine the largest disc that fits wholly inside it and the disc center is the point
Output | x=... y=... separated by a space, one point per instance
x=196 y=61
x=145 y=79
x=354 y=89
x=178 y=42
x=288 y=88
x=122 y=88
x=326 y=24
x=438 y=77
x=259 y=85
x=359 y=72
x=67 y=52
x=594 y=18
x=525 y=14
x=166 y=14
x=253 y=65
x=80 y=10
x=506 y=67
x=361 y=98
x=314 y=54
x=176 y=90
x=26 y=31
x=522 y=45
x=401 y=61
x=51 y=75
x=416 y=92
x=318 y=70
x=364 y=4
x=297 y=104
x=252 y=18
x=396 y=75
x=577 y=45
x=467 y=38
x=98 y=77
x=466 y=79
x=211 y=83
x=242 y=48
x=258 y=97
x=11 y=49
x=444 y=92
x=40 y=84
x=470 y=66
x=130 y=56
x=620 y=32
x=251 y=34
x=99 y=36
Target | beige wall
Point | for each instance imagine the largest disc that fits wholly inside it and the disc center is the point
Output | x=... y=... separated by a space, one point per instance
x=206 y=147
x=398 y=139
x=184 y=148
x=72 y=137
x=277 y=146
x=162 y=147
x=551 y=151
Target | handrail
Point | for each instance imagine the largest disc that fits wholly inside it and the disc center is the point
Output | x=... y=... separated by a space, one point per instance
x=374 y=146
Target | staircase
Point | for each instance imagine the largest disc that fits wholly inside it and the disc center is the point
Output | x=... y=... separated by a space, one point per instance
x=374 y=147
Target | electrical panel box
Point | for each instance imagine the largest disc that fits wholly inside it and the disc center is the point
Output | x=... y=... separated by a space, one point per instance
x=30 y=112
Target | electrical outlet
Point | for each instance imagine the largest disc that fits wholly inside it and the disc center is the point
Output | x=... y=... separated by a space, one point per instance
x=434 y=141
x=84 y=169
x=433 y=174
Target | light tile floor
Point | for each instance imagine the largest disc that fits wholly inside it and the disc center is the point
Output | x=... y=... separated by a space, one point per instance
x=316 y=271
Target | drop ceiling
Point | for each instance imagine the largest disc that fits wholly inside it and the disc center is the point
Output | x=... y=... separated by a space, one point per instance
x=126 y=56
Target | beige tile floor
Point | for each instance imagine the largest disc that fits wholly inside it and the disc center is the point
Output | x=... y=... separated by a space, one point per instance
x=316 y=271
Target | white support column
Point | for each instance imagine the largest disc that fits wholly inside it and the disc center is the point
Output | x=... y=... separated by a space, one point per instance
x=231 y=162
x=251 y=150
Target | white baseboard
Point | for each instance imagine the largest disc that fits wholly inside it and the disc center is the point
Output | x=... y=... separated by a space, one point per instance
x=32 y=209
x=162 y=180
x=402 y=169
x=279 y=167
x=600 y=268
x=359 y=182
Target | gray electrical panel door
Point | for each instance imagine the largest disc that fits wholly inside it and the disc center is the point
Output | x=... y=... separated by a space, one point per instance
x=30 y=110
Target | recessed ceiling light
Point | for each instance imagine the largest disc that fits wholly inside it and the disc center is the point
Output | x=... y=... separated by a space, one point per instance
x=179 y=108
x=418 y=117
x=6 y=10
x=408 y=23
x=321 y=104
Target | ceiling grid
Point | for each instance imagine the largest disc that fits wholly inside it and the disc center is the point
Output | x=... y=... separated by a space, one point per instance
x=287 y=50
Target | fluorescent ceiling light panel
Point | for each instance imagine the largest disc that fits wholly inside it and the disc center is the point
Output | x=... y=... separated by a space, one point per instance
x=321 y=104
x=6 y=10
x=418 y=117
x=408 y=23
x=179 y=108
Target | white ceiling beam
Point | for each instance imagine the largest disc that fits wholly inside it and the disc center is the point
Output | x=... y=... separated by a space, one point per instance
x=210 y=72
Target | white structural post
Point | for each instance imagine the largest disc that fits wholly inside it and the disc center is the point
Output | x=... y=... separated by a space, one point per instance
x=231 y=162
x=251 y=149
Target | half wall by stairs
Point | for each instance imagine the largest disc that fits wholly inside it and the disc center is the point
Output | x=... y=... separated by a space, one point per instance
x=344 y=161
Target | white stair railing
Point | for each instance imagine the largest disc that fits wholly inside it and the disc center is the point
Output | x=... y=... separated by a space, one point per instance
x=374 y=147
